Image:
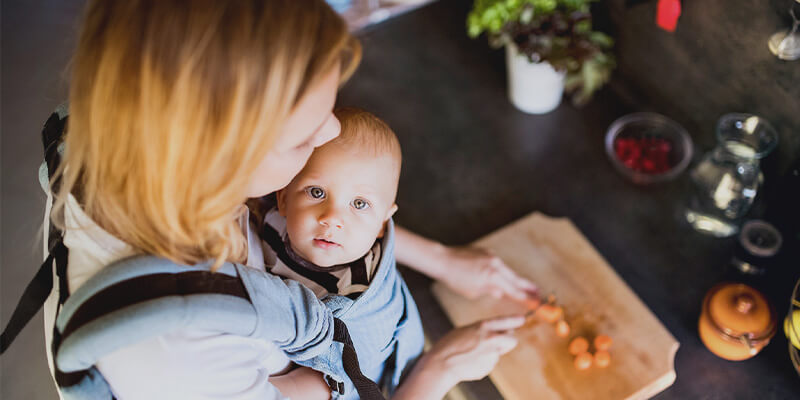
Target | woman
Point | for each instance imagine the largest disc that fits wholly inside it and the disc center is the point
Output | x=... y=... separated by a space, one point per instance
x=181 y=111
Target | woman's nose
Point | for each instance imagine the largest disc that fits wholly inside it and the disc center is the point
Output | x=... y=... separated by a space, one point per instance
x=330 y=217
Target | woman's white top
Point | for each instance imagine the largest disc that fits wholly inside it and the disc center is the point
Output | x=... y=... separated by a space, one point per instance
x=184 y=364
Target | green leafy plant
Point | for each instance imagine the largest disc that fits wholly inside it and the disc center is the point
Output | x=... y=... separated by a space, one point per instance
x=555 y=31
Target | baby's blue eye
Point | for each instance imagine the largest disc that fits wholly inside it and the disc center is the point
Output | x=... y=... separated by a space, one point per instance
x=360 y=204
x=316 y=192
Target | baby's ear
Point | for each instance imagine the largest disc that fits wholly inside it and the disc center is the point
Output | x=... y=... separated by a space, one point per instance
x=389 y=214
x=281 y=197
x=392 y=210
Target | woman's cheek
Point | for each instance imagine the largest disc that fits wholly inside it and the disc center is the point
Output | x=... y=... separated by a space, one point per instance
x=294 y=161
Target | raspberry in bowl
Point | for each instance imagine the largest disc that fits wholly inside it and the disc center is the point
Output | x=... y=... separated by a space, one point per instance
x=648 y=147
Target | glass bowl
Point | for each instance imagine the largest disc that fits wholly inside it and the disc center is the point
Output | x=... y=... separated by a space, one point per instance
x=648 y=148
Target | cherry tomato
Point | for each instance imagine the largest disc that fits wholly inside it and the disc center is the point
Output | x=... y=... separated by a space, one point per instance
x=578 y=345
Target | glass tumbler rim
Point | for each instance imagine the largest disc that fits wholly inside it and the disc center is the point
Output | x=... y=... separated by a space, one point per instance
x=726 y=125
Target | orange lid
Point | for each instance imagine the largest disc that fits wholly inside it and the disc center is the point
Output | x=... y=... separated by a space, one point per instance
x=739 y=310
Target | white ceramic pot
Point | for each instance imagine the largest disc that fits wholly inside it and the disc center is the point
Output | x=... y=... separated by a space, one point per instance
x=535 y=88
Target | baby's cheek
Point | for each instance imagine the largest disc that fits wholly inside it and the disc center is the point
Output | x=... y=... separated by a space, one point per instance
x=366 y=239
x=299 y=224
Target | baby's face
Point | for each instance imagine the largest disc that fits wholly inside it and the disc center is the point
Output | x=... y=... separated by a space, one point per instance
x=339 y=204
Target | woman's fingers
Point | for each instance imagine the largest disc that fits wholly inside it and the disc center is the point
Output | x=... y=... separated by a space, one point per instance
x=471 y=352
x=525 y=290
x=501 y=343
x=514 y=292
x=525 y=284
x=482 y=273
x=501 y=285
x=508 y=283
x=502 y=324
x=513 y=277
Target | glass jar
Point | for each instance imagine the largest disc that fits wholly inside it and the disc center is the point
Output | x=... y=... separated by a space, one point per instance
x=756 y=250
x=727 y=179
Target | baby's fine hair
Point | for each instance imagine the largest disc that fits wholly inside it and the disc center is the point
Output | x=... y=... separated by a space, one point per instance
x=364 y=131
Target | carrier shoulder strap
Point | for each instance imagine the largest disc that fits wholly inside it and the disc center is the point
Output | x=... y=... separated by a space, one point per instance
x=365 y=387
x=41 y=285
x=141 y=297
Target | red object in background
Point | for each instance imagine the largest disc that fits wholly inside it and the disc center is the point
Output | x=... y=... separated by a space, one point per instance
x=667 y=14
x=648 y=155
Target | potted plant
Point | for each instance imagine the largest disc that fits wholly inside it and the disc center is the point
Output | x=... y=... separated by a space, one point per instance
x=550 y=47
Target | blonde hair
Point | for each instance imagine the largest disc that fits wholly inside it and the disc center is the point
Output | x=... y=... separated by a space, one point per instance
x=173 y=104
x=365 y=131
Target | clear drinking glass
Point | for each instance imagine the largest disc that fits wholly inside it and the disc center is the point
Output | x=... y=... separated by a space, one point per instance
x=726 y=180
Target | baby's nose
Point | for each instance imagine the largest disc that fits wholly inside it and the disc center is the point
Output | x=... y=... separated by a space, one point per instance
x=330 y=218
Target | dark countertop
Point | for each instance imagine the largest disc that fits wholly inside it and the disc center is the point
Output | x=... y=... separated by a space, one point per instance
x=473 y=163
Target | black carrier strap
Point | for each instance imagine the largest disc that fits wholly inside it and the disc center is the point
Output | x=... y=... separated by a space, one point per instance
x=52 y=137
x=35 y=294
x=367 y=389
x=153 y=286
x=32 y=300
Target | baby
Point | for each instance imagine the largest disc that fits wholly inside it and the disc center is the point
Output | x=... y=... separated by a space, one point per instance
x=331 y=230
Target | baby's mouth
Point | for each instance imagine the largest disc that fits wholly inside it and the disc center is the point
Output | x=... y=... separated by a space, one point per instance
x=325 y=244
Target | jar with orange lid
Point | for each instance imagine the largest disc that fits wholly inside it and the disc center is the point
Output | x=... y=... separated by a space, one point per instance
x=736 y=322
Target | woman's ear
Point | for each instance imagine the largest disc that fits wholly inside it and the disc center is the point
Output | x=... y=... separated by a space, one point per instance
x=281 y=203
x=392 y=210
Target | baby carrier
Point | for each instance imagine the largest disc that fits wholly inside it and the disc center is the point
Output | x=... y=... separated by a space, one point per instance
x=383 y=321
x=145 y=296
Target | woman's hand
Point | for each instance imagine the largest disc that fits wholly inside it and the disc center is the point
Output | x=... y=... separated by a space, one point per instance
x=476 y=272
x=471 y=352
x=302 y=383
x=471 y=272
x=465 y=354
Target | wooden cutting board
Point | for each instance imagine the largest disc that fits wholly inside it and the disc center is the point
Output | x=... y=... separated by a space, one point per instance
x=555 y=255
